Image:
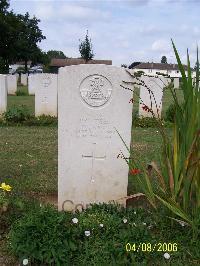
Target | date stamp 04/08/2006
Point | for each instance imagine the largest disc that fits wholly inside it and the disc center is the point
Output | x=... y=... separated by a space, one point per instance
x=148 y=247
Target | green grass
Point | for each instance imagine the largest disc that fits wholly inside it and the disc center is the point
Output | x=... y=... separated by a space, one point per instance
x=28 y=101
x=22 y=88
x=29 y=155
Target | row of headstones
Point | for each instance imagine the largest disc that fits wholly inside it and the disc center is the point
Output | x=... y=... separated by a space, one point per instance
x=93 y=109
x=11 y=82
x=8 y=85
x=45 y=88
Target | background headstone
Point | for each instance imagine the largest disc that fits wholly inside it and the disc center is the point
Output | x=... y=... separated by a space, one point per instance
x=3 y=94
x=176 y=83
x=32 y=84
x=46 y=94
x=12 y=84
x=91 y=104
x=24 y=80
x=151 y=98
x=165 y=80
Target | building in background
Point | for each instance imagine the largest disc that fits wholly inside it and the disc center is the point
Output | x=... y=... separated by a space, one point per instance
x=56 y=63
x=154 y=68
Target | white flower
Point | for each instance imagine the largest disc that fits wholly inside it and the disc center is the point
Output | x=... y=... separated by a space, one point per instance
x=101 y=225
x=144 y=224
x=87 y=233
x=20 y=165
x=125 y=220
x=181 y=223
x=25 y=261
x=134 y=212
x=157 y=131
x=134 y=224
x=75 y=220
x=166 y=256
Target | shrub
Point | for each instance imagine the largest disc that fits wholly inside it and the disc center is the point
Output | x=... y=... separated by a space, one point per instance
x=43 y=120
x=22 y=116
x=17 y=114
x=22 y=90
x=45 y=236
x=145 y=122
x=21 y=93
x=170 y=113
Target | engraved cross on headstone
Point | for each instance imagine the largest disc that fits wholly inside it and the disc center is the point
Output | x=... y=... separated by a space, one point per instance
x=44 y=99
x=94 y=158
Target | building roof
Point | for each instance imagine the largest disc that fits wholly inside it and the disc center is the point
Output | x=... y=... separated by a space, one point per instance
x=159 y=66
x=55 y=62
x=22 y=63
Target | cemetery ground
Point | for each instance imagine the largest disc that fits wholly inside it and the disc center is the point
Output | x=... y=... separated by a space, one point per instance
x=28 y=160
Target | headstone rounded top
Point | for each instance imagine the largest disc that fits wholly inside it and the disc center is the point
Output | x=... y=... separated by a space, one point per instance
x=95 y=90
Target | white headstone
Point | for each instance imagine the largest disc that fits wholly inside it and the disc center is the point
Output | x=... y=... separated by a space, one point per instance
x=176 y=83
x=12 y=84
x=3 y=94
x=32 y=84
x=46 y=94
x=91 y=104
x=151 y=96
x=166 y=81
x=24 y=79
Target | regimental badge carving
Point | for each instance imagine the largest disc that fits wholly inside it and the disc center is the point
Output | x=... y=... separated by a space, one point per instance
x=46 y=81
x=96 y=90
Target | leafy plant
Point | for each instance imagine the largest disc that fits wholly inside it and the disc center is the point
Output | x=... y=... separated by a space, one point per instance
x=21 y=93
x=4 y=200
x=146 y=122
x=17 y=114
x=97 y=235
x=43 y=120
x=43 y=235
x=176 y=182
x=170 y=112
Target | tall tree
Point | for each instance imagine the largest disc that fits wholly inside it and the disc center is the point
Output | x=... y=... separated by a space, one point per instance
x=85 y=49
x=29 y=37
x=4 y=5
x=56 y=54
x=164 y=59
x=9 y=34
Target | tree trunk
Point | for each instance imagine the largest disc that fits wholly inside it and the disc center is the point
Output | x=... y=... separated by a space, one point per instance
x=26 y=66
x=6 y=71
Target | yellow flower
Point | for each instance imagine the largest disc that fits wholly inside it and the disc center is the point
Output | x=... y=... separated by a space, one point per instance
x=5 y=187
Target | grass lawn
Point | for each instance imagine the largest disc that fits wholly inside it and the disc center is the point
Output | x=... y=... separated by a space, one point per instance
x=29 y=155
x=26 y=100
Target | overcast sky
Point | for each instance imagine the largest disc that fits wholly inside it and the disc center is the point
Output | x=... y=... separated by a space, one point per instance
x=123 y=31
